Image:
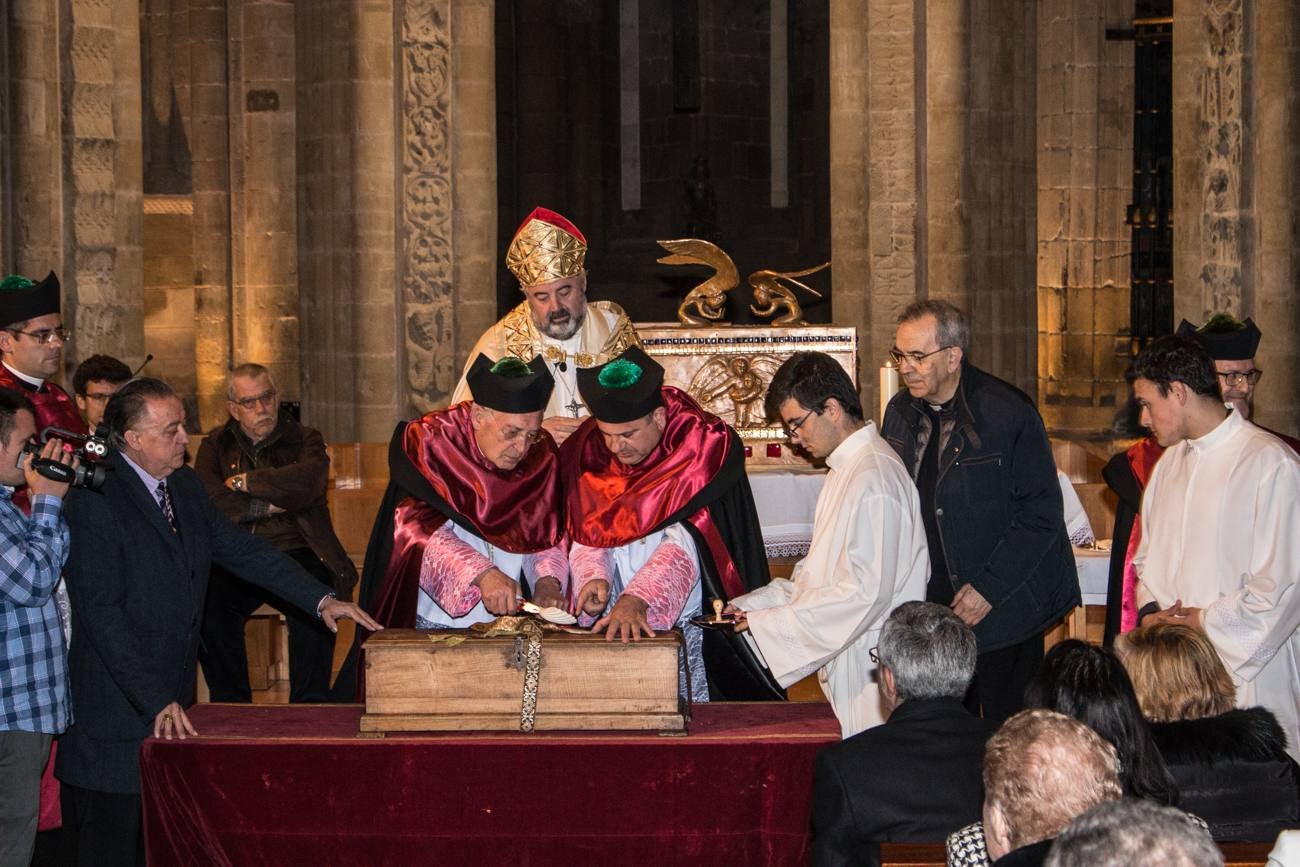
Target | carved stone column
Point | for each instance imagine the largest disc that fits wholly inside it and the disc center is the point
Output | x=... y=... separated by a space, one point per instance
x=1236 y=179
x=75 y=149
x=397 y=245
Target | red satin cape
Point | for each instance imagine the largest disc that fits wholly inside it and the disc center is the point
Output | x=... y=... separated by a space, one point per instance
x=610 y=504
x=516 y=510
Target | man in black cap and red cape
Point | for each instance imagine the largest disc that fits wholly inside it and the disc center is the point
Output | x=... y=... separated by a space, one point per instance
x=473 y=514
x=32 y=337
x=662 y=522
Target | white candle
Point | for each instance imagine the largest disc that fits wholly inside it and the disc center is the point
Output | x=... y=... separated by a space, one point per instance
x=889 y=383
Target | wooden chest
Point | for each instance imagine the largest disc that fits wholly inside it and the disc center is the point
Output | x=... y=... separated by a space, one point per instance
x=453 y=680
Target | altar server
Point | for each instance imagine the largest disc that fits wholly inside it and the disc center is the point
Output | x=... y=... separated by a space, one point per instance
x=868 y=553
x=473 y=507
x=548 y=256
x=1220 y=544
x=662 y=521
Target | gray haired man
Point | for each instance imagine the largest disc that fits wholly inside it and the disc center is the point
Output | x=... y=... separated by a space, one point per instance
x=864 y=790
x=1134 y=831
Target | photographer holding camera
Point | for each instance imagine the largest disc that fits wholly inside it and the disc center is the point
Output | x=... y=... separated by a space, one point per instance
x=34 y=703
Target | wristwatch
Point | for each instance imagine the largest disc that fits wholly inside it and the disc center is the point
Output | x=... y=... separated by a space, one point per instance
x=237 y=482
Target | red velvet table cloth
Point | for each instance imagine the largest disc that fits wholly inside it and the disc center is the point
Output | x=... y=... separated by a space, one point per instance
x=294 y=785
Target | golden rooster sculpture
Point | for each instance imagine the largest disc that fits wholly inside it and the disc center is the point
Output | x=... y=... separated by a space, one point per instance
x=772 y=296
x=710 y=297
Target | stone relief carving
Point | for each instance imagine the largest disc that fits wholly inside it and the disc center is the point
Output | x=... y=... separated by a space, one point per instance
x=426 y=199
x=1221 y=137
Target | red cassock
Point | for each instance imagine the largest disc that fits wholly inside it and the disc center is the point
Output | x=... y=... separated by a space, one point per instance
x=437 y=474
x=695 y=476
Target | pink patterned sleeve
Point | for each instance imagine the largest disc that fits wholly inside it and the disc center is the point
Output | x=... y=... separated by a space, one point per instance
x=664 y=583
x=448 y=570
x=587 y=564
x=551 y=563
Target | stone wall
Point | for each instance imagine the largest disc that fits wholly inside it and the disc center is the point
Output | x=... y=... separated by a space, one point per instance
x=73 y=163
x=1085 y=181
x=932 y=172
x=1236 y=180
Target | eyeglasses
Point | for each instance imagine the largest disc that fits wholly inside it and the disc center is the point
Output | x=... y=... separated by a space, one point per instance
x=874 y=654
x=266 y=397
x=899 y=356
x=793 y=429
x=45 y=335
x=1236 y=379
x=532 y=437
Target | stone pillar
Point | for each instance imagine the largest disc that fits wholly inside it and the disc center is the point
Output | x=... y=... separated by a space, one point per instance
x=34 y=137
x=999 y=187
x=850 y=187
x=347 y=207
x=263 y=204
x=874 y=174
x=1277 y=246
x=1085 y=180
x=397 y=245
x=1236 y=178
x=75 y=170
x=474 y=195
x=210 y=155
x=945 y=209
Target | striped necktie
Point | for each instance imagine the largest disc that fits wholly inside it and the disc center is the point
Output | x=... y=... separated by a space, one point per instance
x=165 y=501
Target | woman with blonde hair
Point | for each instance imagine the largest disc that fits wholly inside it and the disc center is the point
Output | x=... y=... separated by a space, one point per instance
x=1230 y=764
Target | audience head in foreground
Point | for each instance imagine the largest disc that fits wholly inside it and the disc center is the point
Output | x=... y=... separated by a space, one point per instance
x=1176 y=673
x=864 y=788
x=1089 y=684
x=925 y=652
x=1041 y=770
x=1134 y=832
x=1230 y=763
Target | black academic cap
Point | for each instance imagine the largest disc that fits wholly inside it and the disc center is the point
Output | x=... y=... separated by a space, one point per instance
x=1224 y=337
x=623 y=389
x=22 y=299
x=510 y=385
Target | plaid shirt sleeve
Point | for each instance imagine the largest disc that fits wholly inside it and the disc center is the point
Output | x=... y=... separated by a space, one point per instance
x=33 y=658
x=32 y=552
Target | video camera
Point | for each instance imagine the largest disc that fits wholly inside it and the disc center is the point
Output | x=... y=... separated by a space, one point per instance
x=90 y=474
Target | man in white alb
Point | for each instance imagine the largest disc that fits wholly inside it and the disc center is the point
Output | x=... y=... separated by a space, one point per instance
x=868 y=552
x=1220 y=545
x=548 y=256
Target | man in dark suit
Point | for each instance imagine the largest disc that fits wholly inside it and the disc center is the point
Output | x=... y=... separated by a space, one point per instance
x=137 y=574
x=866 y=789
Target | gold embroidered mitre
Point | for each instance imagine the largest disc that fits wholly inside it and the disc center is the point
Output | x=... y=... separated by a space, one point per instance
x=546 y=247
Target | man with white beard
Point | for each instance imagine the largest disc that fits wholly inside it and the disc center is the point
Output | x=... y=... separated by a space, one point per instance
x=548 y=256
